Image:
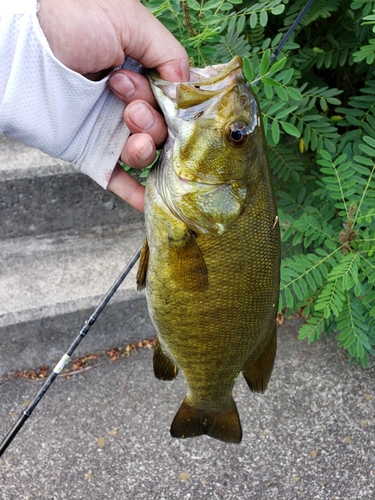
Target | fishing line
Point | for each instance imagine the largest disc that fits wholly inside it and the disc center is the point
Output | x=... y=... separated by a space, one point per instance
x=66 y=357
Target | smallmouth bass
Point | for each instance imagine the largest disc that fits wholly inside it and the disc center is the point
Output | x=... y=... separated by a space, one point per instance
x=211 y=260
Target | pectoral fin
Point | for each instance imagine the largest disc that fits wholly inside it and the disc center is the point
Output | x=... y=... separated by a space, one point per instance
x=164 y=369
x=187 y=263
x=258 y=373
x=142 y=266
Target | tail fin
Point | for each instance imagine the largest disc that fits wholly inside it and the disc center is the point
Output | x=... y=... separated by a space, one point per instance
x=190 y=422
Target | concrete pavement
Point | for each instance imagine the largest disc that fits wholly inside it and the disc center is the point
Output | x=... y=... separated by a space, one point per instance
x=104 y=432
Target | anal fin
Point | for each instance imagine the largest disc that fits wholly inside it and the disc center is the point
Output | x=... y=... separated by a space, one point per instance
x=164 y=369
x=190 y=422
x=258 y=373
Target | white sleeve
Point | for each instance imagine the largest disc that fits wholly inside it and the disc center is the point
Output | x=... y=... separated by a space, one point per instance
x=46 y=105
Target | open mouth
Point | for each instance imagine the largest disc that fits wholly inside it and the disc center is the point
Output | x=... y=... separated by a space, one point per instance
x=204 y=84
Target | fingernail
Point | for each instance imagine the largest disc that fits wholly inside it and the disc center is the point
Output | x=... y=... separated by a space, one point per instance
x=146 y=152
x=141 y=116
x=121 y=84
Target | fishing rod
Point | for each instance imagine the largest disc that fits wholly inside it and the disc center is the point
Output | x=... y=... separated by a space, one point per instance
x=66 y=357
x=290 y=30
x=91 y=320
x=286 y=36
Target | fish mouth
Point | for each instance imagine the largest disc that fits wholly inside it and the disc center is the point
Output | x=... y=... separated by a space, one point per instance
x=204 y=83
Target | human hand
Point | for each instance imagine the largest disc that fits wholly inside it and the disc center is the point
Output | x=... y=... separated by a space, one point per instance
x=148 y=130
x=92 y=37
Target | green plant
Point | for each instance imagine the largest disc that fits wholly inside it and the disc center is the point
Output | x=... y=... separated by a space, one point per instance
x=318 y=106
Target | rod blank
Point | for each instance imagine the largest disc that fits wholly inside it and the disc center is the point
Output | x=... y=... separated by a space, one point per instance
x=66 y=357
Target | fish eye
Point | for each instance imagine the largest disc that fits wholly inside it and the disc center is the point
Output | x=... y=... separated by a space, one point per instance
x=237 y=133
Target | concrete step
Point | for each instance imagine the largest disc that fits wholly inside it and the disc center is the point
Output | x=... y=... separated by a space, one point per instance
x=64 y=272
x=63 y=242
x=64 y=275
x=41 y=195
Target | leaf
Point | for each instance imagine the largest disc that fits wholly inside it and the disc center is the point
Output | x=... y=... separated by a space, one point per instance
x=265 y=62
x=279 y=9
x=369 y=298
x=289 y=298
x=248 y=69
x=282 y=93
x=284 y=112
x=207 y=21
x=290 y=129
x=275 y=107
x=193 y=4
x=211 y=4
x=313 y=328
x=268 y=90
x=367 y=150
x=325 y=155
x=253 y=20
x=360 y=350
x=275 y=132
x=370 y=140
x=297 y=290
x=263 y=18
x=278 y=65
x=270 y=81
x=241 y=24
x=294 y=93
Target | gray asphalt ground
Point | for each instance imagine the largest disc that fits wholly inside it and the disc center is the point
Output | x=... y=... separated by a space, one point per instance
x=103 y=433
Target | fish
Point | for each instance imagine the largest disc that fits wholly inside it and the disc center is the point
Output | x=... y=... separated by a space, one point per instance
x=210 y=263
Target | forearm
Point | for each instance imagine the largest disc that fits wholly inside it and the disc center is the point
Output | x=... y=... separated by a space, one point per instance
x=48 y=106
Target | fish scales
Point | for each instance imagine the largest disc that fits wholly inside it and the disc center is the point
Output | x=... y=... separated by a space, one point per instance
x=211 y=260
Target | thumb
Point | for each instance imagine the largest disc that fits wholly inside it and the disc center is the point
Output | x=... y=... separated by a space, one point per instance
x=147 y=41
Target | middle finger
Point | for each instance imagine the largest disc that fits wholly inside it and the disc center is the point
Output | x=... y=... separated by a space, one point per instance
x=141 y=117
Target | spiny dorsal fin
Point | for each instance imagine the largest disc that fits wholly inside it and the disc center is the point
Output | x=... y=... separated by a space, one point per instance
x=187 y=263
x=258 y=374
x=191 y=422
x=164 y=369
x=142 y=266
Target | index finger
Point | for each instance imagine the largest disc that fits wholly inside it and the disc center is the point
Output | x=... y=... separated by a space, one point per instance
x=147 y=41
